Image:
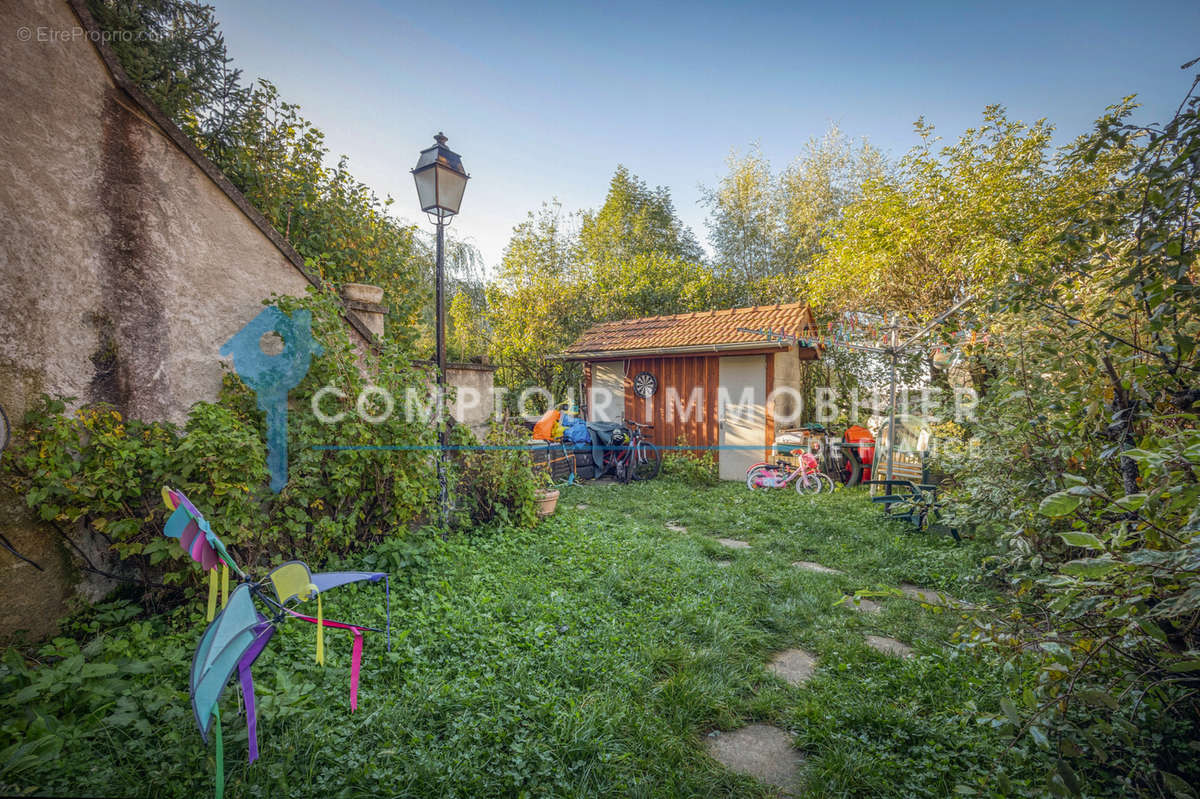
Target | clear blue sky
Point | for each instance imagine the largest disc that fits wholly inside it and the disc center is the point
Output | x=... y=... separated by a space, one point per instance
x=543 y=100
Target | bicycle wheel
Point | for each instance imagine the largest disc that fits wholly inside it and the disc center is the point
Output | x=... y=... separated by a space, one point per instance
x=827 y=481
x=807 y=485
x=756 y=479
x=647 y=462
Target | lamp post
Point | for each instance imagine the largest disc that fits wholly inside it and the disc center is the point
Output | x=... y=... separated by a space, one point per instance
x=441 y=181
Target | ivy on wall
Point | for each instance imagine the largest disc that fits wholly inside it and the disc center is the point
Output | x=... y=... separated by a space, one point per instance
x=95 y=470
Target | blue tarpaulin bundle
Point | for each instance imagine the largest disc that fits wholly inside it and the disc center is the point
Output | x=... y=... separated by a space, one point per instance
x=575 y=430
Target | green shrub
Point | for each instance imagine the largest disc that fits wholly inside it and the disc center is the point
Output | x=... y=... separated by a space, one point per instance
x=494 y=482
x=1088 y=475
x=103 y=471
x=106 y=472
x=686 y=466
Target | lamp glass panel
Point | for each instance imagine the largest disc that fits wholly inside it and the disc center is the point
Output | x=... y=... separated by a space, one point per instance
x=451 y=186
x=426 y=188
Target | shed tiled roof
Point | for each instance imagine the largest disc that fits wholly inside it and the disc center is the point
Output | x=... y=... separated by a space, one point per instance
x=718 y=329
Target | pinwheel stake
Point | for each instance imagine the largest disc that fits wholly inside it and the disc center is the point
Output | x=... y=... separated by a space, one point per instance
x=237 y=635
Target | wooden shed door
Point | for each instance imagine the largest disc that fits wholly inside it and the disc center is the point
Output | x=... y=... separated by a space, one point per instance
x=741 y=408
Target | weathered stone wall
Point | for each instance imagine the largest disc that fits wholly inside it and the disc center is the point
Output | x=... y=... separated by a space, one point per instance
x=126 y=261
x=124 y=264
x=474 y=402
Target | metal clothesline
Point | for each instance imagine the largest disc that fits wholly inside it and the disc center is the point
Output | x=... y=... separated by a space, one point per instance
x=893 y=351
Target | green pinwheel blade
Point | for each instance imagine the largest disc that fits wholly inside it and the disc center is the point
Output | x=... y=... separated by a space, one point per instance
x=222 y=645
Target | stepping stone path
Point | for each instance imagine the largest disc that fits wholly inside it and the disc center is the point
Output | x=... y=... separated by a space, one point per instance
x=733 y=543
x=808 y=565
x=676 y=527
x=759 y=751
x=793 y=665
x=723 y=564
x=889 y=646
x=865 y=605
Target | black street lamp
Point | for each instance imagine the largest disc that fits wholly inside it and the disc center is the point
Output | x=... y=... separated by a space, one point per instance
x=440 y=180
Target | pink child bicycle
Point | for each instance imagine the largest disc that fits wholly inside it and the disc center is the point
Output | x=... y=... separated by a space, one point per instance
x=808 y=478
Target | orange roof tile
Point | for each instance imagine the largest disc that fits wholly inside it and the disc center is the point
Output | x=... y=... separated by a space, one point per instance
x=687 y=331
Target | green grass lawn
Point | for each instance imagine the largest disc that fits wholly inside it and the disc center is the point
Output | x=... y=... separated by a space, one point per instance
x=588 y=657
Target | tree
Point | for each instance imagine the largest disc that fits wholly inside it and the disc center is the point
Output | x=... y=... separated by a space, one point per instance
x=766 y=229
x=464 y=286
x=952 y=221
x=466 y=334
x=277 y=158
x=1087 y=462
x=815 y=188
x=743 y=226
x=174 y=51
x=635 y=220
x=563 y=273
x=532 y=308
x=637 y=258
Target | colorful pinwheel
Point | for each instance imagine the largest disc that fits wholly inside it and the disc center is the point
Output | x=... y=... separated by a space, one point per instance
x=237 y=635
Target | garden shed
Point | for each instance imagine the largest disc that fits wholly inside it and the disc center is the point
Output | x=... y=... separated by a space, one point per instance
x=708 y=379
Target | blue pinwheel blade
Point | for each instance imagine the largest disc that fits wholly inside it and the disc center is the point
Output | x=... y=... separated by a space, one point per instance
x=227 y=638
x=326 y=580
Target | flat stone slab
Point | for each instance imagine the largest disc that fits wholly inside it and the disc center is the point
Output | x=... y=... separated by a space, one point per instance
x=931 y=597
x=793 y=665
x=733 y=543
x=808 y=565
x=889 y=646
x=676 y=527
x=583 y=506
x=722 y=564
x=864 y=605
x=760 y=751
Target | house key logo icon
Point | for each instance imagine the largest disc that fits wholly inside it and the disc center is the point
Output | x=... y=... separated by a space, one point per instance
x=271 y=377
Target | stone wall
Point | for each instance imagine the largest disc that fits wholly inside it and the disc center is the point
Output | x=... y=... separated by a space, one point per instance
x=126 y=261
x=125 y=265
x=475 y=399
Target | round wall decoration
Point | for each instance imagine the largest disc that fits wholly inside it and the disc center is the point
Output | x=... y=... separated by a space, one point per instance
x=645 y=384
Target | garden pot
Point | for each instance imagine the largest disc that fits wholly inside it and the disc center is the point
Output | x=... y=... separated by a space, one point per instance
x=547 y=500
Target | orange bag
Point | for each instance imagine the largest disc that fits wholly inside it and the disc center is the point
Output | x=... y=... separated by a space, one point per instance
x=544 y=429
x=861 y=435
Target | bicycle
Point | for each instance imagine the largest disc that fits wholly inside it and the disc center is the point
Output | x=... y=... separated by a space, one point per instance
x=808 y=480
x=815 y=441
x=637 y=459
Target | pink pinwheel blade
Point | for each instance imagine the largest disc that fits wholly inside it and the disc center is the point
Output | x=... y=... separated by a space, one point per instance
x=196 y=544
